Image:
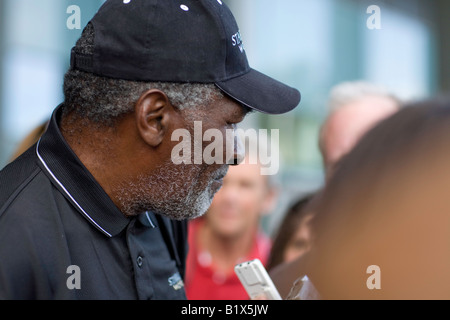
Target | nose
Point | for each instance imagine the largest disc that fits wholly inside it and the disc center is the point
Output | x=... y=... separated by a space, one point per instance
x=239 y=150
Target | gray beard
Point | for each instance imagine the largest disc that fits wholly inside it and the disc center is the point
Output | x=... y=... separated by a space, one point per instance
x=175 y=191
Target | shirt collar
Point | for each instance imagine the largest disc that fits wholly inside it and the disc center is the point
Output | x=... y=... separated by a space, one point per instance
x=76 y=183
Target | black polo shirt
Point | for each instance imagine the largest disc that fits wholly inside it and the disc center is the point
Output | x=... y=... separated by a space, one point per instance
x=62 y=237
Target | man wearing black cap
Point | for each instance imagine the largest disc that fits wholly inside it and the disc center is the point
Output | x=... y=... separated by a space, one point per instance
x=97 y=209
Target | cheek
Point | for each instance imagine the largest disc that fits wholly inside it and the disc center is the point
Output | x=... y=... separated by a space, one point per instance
x=252 y=199
x=249 y=207
x=249 y=202
x=291 y=253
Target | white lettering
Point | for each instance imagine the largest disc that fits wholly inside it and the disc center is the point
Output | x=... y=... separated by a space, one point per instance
x=181 y=153
x=216 y=147
x=374 y=21
x=374 y=281
x=74 y=21
x=193 y=310
x=74 y=280
x=236 y=40
x=259 y=149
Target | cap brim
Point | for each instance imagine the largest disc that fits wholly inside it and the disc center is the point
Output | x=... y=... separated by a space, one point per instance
x=262 y=93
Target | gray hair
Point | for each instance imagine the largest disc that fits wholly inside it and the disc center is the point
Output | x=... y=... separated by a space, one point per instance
x=103 y=100
x=347 y=92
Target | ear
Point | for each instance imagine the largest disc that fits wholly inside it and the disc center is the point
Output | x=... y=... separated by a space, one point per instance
x=152 y=116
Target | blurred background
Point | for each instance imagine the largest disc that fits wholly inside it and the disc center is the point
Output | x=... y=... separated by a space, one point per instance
x=309 y=44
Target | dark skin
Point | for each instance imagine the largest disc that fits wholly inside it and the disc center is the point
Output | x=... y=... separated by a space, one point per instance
x=141 y=141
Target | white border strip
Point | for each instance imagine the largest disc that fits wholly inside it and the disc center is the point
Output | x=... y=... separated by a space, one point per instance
x=67 y=192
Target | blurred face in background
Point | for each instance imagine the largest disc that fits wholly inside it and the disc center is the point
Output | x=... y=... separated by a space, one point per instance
x=243 y=199
x=300 y=242
x=345 y=127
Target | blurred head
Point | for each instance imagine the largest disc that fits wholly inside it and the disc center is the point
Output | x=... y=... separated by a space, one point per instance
x=387 y=205
x=245 y=197
x=293 y=238
x=355 y=108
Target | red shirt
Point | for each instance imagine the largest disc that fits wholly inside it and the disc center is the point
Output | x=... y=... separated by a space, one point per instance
x=205 y=283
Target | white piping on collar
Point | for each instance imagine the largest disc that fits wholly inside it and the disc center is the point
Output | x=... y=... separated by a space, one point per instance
x=150 y=220
x=68 y=194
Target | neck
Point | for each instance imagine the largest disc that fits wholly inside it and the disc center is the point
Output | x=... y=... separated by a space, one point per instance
x=100 y=149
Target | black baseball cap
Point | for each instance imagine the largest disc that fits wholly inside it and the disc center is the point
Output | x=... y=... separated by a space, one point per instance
x=196 y=41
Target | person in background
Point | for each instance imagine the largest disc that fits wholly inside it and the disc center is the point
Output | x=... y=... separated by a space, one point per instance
x=293 y=237
x=229 y=233
x=382 y=223
x=354 y=109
